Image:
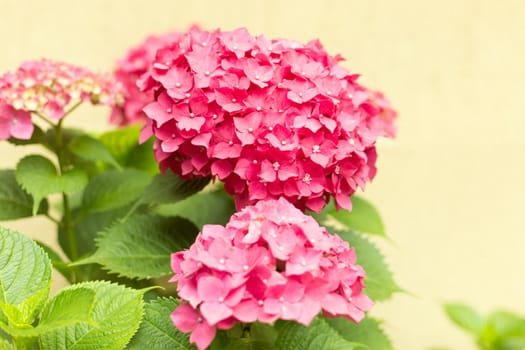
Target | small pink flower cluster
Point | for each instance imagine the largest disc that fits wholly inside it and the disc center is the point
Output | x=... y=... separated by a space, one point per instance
x=129 y=69
x=49 y=88
x=270 y=262
x=269 y=118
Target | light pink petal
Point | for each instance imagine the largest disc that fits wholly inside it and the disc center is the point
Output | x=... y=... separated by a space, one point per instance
x=214 y=312
x=185 y=318
x=247 y=311
x=211 y=288
x=203 y=335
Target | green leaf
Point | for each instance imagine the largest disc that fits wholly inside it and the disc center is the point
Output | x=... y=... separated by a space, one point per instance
x=379 y=282
x=124 y=146
x=364 y=217
x=318 y=336
x=6 y=345
x=141 y=246
x=25 y=277
x=59 y=264
x=39 y=177
x=507 y=323
x=248 y=344
x=113 y=189
x=157 y=331
x=143 y=158
x=117 y=312
x=202 y=208
x=120 y=142
x=169 y=188
x=253 y=336
x=465 y=317
x=86 y=228
x=15 y=203
x=89 y=148
x=368 y=332
x=69 y=307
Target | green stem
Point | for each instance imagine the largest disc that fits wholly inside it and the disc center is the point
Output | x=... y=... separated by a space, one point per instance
x=66 y=217
x=53 y=219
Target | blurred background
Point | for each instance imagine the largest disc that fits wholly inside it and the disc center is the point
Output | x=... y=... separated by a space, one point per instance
x=449 y=188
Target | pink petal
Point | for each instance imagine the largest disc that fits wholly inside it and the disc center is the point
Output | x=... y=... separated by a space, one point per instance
x=211 y=288
x=214 y=312
x=203 y=335
x=185 y=318
x=246 y=311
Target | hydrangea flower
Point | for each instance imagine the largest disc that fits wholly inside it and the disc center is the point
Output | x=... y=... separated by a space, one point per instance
x=128 y=71
x=49 y=88
x=269 y=118
x=269 y=262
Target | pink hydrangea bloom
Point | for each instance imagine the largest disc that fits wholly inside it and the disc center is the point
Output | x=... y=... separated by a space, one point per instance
x=49 y=88
x=128 y=71
x=14 y=123
x=270 y=262
x=269 y=118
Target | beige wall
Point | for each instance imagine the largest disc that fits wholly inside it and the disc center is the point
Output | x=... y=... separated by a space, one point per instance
x=450 y=187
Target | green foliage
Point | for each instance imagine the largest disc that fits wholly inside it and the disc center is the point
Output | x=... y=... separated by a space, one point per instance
x=86 y=227
x=379 y=282
x=141 y=246
x=501 y=330
x=25 y=277
x=89 y=148
x=116 y=311
x=368 y=333
x=157 y=331
x=318 y=336
x=363 y=218
x=253 y=336
x=39 y=177
x=171 y=188
x=202 y=208
x=124 y=147
x=68 y=308
x=114 y=189
x=15 y=203
x=465 y=317
x=57 y=262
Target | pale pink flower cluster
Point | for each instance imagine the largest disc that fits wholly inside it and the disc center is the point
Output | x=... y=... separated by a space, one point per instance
x=49 y=88
x=129 y=69
x=270 y=262
x=269 y=118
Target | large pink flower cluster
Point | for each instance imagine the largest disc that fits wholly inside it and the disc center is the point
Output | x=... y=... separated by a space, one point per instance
x=270 y=262
x=129 y=69
x=49 y=88
x=270 y=118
